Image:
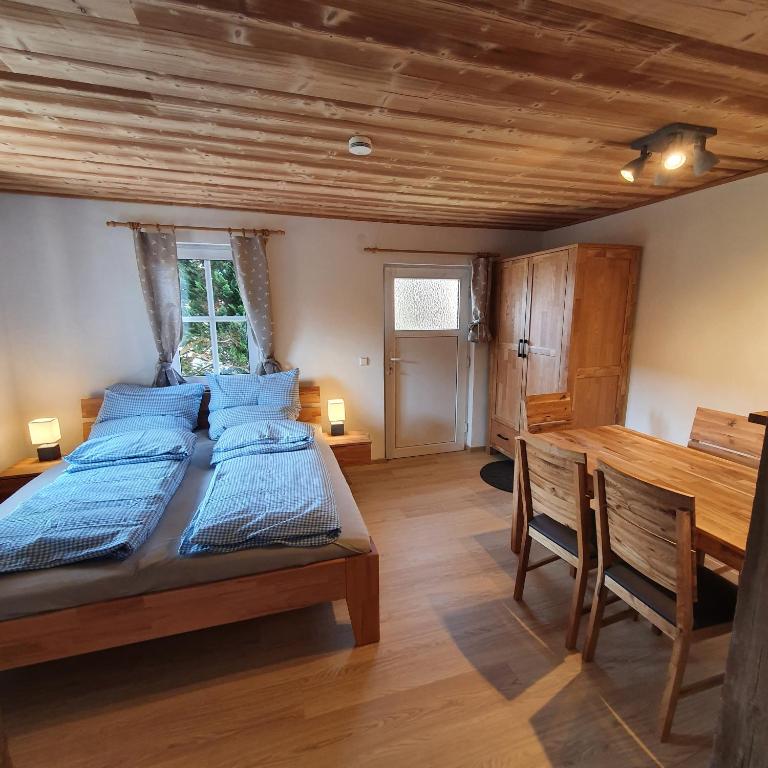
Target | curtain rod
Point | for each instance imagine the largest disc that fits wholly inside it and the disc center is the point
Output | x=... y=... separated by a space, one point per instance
x=158 y=227
x=444 y=253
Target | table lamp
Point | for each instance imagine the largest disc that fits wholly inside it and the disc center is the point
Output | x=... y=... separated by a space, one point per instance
x=45 y=434
x=336 y=416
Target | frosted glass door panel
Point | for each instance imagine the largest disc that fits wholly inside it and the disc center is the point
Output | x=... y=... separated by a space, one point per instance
x=426 y=391
x=426 y=304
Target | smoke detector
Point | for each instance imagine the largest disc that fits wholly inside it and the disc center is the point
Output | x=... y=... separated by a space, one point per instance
x=360 y=145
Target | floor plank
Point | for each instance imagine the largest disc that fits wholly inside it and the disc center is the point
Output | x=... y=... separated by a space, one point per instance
x=463 y=676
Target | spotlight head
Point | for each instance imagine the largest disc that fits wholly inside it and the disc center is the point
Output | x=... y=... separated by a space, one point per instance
x=674 y=157
x=634 y=168
x=703 y=159
x=676 y=144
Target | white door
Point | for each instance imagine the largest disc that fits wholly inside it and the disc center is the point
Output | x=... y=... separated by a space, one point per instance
x=426 y=359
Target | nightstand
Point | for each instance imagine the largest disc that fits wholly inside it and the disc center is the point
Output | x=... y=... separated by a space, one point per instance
x=350 y=449
x=21 y=473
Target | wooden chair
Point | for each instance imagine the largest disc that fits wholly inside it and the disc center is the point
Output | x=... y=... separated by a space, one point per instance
x=727 y=435
x=556 y=513
x=646 y=558
x=548 y=412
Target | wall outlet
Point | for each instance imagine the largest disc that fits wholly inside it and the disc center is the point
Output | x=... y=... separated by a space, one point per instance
x=363 y=360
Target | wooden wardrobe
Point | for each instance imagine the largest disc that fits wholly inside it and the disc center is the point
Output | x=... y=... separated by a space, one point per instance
x=562 y=322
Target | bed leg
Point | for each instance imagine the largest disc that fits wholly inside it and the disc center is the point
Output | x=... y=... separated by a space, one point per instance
x=363 y=596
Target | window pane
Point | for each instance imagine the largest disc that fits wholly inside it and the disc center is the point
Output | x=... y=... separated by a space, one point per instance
x=233 y=347
x=192 y=280
x=426 y=304
x=226 y=295
x=195 y=352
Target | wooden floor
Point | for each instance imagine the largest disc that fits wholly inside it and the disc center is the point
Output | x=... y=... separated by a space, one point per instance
x=463 y=676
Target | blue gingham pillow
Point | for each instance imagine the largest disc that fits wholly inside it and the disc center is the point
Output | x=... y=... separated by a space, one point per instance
x=274 y=390
x=232 y=391
x=281 y=390
x=124 y=400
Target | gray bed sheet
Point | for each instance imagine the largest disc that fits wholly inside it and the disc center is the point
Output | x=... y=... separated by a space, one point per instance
x=156 y=565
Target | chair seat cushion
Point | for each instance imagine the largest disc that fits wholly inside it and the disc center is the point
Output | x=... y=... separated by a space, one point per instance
x=716 y=603
x=562 y=535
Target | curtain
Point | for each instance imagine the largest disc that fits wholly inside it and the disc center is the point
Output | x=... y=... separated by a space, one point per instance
x=481 y=297
x=159 y=275
x=250 y=256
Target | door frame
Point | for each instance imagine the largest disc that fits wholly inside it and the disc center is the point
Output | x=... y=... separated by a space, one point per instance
x=462 y=272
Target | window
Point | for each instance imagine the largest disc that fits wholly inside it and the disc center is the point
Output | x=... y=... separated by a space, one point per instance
x=426 y=304
x=216 y=335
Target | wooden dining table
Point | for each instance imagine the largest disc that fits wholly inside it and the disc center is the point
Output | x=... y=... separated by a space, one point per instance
x=723 y=490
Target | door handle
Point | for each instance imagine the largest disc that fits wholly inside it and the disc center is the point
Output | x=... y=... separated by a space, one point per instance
x=523 y=343
x=395 y=359
x=520 y=348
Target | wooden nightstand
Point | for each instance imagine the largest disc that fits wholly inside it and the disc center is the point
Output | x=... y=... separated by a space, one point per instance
x=21 y=473
x=351 y=449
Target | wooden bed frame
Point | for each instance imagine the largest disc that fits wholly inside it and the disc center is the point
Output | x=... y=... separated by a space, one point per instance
x=96 y=626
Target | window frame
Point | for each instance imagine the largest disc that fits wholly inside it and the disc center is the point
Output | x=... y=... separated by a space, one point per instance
x=207 y=253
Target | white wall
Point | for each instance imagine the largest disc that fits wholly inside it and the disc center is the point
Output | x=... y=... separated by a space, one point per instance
x=701 y=333
x=11 y=440
x=72 y=318
x=77 y=321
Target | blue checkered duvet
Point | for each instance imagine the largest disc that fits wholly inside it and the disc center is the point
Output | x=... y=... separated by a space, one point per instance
x=140 y=446
x=254 y=437
x=270 y=489
x=133 y=423
x=226 y=418
x=107 y=508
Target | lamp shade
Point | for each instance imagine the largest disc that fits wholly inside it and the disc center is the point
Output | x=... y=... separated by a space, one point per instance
x=336 y=413
x=46 y=430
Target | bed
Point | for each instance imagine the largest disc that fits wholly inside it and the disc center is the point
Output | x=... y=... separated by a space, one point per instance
x=74 y=609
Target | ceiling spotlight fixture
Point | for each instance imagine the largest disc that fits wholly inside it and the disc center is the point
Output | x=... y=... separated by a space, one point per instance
x=635 y=167
x=360 y=145
x=674 y=143
x=675 y=156
x=703 y=159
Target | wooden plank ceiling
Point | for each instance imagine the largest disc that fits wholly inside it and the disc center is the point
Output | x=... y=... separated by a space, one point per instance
x=490 y=113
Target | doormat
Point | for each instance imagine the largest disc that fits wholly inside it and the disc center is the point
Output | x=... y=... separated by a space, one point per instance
x=499 y=474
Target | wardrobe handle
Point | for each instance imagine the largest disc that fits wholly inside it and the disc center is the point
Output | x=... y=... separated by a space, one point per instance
x=520 y=348
x=524 y=342
x=502 y=436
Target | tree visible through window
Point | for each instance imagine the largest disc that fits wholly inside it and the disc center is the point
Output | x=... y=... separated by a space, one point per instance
x=216 y=336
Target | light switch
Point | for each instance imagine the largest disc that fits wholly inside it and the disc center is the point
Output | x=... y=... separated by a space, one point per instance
x=363 y=360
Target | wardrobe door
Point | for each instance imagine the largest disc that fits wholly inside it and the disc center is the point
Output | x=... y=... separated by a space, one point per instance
x=604 y=304
x=512 y=287
x=548 y=281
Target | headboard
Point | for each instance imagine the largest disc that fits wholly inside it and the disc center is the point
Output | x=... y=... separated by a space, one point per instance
x=308 y=394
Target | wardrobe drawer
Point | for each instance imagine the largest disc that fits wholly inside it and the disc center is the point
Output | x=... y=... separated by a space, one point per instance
x=502 y=437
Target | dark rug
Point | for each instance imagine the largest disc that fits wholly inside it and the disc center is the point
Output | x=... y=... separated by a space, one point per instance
x=499 y=474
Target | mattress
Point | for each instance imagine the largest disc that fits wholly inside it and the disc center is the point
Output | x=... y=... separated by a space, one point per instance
x=156 y=566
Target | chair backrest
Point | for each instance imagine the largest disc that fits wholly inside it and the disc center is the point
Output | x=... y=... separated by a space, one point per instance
x=554 y=481
x=650 y=528
x=548 y=412
x=727 y=435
